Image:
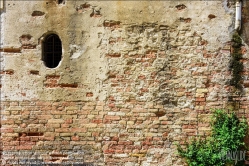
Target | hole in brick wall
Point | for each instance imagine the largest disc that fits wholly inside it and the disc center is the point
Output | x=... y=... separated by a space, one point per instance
x=25 y=41
x=30 y=134
x=58 y=155
x=25 y=37
x=112 y=76
x=174 y=102
x=170 y=102
x=180 y=7
x=111 y=23
x=186 y=20
x=34 y=134
x=211 y=16
x=10 y=72
x=22 y=134
x=11 y=50
x=96 y=12
x=52 y=76
x=34 y=72
x=68 y=85
x=83 y=7
x=37 y=13
x=160 y=113
x=115 y=55
x=89 y=94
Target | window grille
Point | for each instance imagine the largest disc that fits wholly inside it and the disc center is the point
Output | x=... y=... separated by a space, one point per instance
x=52 y=51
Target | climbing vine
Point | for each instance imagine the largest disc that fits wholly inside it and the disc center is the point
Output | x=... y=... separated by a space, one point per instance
x=227 y=131
x=236 y=66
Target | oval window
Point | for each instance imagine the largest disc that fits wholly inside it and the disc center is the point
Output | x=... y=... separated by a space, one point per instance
x=52 y=51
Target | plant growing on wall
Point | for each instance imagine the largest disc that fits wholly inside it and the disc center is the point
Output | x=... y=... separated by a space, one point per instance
x=236 y=66
x=227 y=138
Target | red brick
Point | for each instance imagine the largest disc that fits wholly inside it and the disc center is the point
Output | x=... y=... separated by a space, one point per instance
x=112 y=117
x=98 y=121
x=141 y=77
x=109 y=151
x=6 y=130
x=117 y=55
x=95 y=134
x=5 y=148
x=26 y=143
x=75 y=138
x=89 y=94
x=24 y=147
x=125 y=142
x=24 y=138
x=81 y=129
x=146 y=143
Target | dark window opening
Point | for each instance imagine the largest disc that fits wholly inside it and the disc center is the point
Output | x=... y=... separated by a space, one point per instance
x=61 y=1
x=52 y=51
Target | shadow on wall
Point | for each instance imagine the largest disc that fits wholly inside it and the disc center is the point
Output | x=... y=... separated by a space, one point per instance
x=245 y=22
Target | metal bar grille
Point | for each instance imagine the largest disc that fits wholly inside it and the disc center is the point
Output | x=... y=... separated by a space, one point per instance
x=52 y=51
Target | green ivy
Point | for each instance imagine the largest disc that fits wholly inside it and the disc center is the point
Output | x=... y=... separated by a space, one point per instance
x=236 y=66
x=227 y=135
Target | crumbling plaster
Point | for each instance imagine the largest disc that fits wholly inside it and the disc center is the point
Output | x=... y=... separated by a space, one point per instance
x=135 y=77
x=83 y=62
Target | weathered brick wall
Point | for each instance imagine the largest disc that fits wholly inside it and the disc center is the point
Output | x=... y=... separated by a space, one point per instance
x=135 y=78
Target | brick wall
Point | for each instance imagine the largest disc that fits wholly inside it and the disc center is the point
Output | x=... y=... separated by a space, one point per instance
x=132 y=82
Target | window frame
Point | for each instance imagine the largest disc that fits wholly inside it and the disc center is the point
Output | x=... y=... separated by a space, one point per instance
x=52 y=50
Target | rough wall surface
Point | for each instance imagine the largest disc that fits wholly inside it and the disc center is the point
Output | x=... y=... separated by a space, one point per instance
x=135 y=78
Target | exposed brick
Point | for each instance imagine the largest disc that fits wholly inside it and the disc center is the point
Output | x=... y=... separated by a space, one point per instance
x=111 y=117
x=55 y=121
x=202 y=90
x=124 y=96
x=115 y=55
x=10 y=50
x=65 y=85
x=10 y=134
x=111 y=23
x=89 y=94
x=24 y=147
x=66 y=134
x=37 y=13
x=200 y=99
x=180 y=7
